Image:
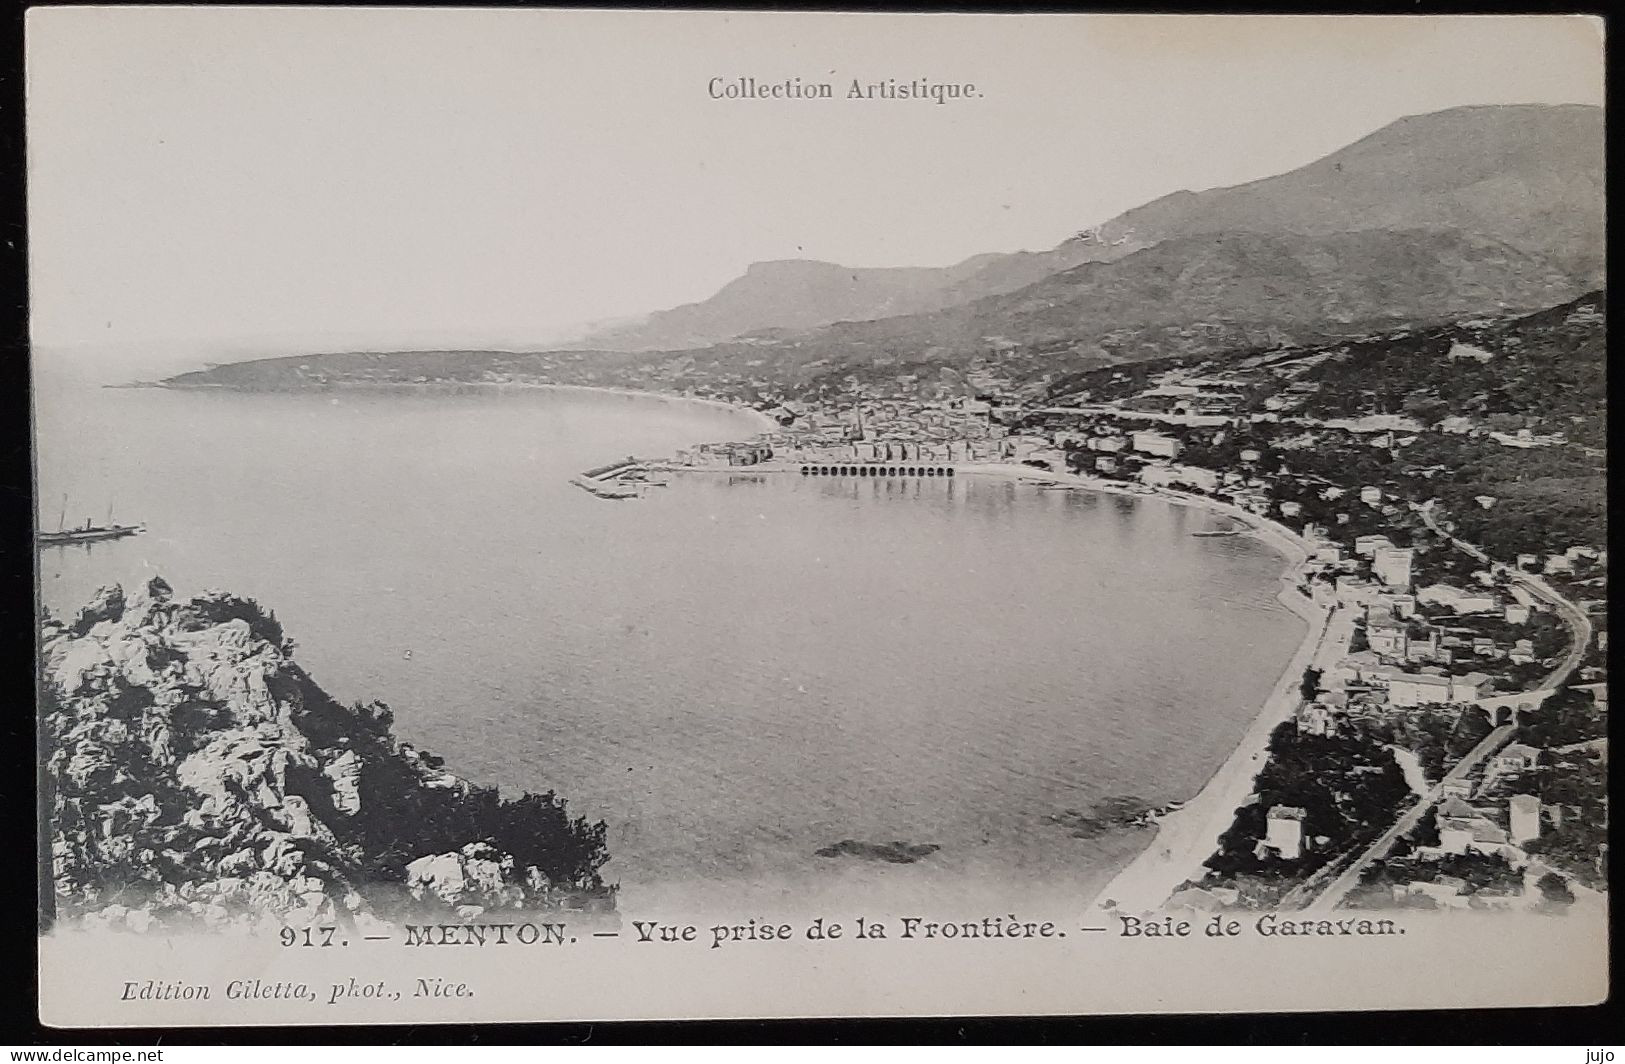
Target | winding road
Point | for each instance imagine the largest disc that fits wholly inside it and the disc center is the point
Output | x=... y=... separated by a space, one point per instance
x=1572 y=616
x=1579 y=626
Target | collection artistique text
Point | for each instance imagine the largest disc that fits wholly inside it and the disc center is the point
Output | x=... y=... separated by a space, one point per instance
x=745 y=88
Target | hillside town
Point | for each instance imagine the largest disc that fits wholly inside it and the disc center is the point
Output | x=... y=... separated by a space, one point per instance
x=1449 y=748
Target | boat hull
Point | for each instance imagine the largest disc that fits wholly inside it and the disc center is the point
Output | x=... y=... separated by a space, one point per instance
x=87 y=535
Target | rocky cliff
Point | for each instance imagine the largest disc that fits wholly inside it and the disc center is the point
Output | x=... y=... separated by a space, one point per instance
x=197 y=776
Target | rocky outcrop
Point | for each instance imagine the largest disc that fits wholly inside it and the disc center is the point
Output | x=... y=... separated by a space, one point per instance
x=198 y=776
x=475 y=874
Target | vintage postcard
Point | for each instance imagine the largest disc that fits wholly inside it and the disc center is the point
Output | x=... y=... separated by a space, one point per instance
x=566 y=515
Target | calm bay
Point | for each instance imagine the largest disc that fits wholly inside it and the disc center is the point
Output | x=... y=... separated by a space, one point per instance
x=734 y=671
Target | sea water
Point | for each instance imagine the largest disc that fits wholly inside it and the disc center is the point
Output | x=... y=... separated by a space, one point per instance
x=735 y=671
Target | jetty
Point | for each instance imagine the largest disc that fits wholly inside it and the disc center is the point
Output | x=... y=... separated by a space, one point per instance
x=611 y=481
x=612 y=470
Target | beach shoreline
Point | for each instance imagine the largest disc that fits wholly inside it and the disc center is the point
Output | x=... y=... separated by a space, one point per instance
x=1188 y=836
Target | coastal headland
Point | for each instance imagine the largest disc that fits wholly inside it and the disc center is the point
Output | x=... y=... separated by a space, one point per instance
x=200 y=779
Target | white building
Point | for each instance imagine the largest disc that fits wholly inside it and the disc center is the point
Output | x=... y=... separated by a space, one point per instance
x=1459 y=787
x=1392 y=565
x=1355 y=591
x=1387 y=637
x=1407 y=689
x=1283 y=832
x=1524 y=812
x=1316 y=718
x=1464 y=829
x=1517 y=758
x=1156 y=443
x=1455 y=599
x=1367 y=546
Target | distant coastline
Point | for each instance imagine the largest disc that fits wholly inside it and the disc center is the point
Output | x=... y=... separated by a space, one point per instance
x=766 y=422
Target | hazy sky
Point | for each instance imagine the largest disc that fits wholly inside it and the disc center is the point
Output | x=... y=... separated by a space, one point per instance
x=306 y=178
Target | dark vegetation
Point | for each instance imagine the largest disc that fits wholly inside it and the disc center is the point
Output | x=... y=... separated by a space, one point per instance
x=1545 y=373
x=1569 y=716
x=401 y=819
x=1437 y=735
x=1482 y=875
x=1349 y=787
x=1545 y=368
x=1554 y=891
x=1577 y=844
x=1547 y=499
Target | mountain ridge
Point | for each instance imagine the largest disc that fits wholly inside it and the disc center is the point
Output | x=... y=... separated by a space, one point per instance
x=1192 y=295
x=1470 y=211
x=1475 y=168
